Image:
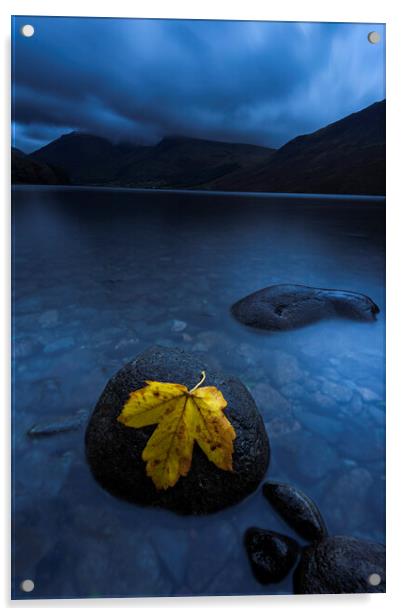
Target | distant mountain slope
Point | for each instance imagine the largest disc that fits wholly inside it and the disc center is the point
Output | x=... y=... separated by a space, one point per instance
x=26 y=170
x=174 y=162
x=182 y=162
x=86 y=158
x=346 y=157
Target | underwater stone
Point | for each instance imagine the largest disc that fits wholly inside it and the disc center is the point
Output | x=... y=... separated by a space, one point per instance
x=286 y=306
x=49 y=318
x=271 y=554
x=114 y=451
x=178 y=326
x=347 y=500
x=297 y=509
x=307 y=457
x=60 y=424
x=340 y=565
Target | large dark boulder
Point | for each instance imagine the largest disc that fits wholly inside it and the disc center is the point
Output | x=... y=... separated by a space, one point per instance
x=114 y=450
x=341 y=565
x=271 y=555
x=287 y=306
x=297 y=509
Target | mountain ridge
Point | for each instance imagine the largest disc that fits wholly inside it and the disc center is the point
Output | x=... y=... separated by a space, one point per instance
x=344 y=157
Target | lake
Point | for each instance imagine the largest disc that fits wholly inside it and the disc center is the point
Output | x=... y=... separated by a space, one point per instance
x=100 y=275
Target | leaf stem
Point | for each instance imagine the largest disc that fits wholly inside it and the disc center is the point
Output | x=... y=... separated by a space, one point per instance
x=204 y=376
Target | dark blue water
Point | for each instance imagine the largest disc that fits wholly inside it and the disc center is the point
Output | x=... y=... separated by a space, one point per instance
x=99 y=275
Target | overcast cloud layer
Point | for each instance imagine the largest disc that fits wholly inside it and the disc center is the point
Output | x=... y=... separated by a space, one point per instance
x=141 y=80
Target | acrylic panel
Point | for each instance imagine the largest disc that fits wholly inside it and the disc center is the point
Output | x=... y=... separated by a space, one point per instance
x=198 y=221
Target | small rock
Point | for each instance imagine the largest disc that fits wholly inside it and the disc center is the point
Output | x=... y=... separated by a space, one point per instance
x=271 y=554
x=340 y=393
x=282 y=425
x=24 y=348
x=269 y=401
x=247 y=354
x=368 y=395
x=377 y=415
x=364 y=443
x=309 y=457
x=327 y=427
x=126 y=342
x=293 y=390
x=356 y=403
x=284 y=368
x=347 y=500
x=60 y=424
x=323 y=402
x=178 y=326
x=49 y=318
x=340 y=565
x=297 y=509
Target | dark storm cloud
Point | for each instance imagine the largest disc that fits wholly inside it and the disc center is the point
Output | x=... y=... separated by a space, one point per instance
x=141 y=80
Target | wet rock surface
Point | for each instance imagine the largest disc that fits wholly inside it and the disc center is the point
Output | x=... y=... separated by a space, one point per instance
x=114 y=451
x=297 y=509
x=285 y=306
x=271 y=555
x=341 y=565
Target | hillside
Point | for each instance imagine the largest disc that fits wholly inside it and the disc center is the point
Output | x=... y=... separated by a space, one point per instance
x=27 y=170
x=346 y=157
x=173 y=162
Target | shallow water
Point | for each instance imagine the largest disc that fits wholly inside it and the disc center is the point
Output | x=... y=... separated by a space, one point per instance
x=99 y=275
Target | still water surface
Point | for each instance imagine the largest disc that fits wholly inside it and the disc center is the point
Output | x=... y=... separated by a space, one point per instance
x=99 y=275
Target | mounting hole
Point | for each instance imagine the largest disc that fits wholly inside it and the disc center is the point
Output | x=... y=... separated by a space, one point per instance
x=374 y=579
x=28 y=30
x=27 y=585
x=374 y=37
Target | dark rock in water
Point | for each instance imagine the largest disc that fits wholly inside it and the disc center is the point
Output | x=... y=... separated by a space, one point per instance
x=60 y=424
x=341 y=565
x=114 y=450
x=287 y=306
x=271 y=554
x=297 y=509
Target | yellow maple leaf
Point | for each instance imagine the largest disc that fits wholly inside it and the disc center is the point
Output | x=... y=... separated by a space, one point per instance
x=183 y=416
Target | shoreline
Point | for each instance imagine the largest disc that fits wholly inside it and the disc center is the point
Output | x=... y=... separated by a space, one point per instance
x=324 y=196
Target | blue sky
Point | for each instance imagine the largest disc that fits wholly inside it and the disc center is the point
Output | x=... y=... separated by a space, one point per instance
x=142 y=80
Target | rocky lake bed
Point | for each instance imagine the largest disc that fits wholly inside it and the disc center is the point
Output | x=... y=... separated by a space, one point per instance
x=82 y=312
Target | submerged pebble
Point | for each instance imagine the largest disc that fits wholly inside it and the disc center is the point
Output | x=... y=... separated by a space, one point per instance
x=60 y=424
